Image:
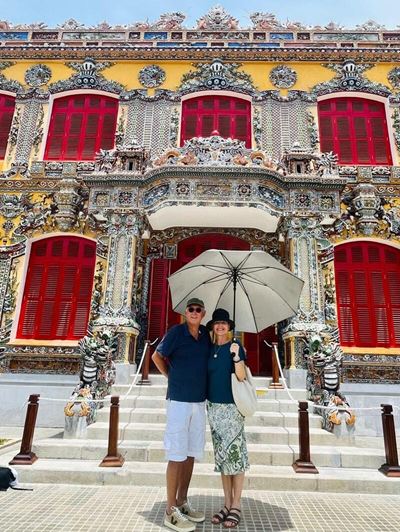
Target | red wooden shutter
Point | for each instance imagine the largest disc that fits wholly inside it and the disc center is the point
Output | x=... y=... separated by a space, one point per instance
x=368 y=294
x=355 y=129
x=227 y=115
x=158 y=304
x=57 y=295
x=7 y=106
x=80 y=126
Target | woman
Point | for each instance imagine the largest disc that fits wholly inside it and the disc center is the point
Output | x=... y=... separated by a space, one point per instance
x=226 y=422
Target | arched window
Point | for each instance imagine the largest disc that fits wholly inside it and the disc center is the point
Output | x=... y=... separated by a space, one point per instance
x=7 y=106
x=80 y=125
x=58 y=289
x=230 y=117
x=367 y=278
x=355 y=129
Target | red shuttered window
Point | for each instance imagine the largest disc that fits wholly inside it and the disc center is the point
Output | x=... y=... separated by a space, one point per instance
x=355 y=129
x=230 y=117
x=58 y=289
x=7 y=106
x=368 y=294
x=80 y=126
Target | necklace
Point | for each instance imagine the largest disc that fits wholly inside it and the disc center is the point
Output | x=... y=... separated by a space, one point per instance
x=216 y=351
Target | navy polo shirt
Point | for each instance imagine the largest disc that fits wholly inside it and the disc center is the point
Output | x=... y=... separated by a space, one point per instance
x=188 y=358
x=220 y=369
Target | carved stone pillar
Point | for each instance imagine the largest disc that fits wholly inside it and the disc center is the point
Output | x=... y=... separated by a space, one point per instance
x=301 y=236
x=117 y=311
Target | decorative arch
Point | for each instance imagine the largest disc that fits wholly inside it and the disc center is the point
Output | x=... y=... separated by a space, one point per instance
x=81 y=123
x=58 y=287
x=7 y=108
x=367 y=280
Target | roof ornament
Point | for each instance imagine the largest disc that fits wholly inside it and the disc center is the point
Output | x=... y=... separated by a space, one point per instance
x=217 y=19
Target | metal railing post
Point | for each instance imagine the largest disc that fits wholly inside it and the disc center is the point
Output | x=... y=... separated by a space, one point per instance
x=391 y=467
x=275 y=384
x=113 y=458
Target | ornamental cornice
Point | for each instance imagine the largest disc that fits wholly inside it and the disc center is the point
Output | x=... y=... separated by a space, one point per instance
x=220 y=173
x=204 y=54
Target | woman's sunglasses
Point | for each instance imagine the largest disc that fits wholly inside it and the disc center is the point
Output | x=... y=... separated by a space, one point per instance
x=195 y=309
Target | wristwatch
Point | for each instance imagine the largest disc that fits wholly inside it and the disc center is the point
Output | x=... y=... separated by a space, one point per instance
x=236 y=359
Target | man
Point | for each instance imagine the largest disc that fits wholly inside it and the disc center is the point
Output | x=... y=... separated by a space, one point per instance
x=186 y=348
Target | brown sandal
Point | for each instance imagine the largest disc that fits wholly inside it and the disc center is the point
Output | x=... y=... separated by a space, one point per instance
x=220 y=516
x=233 y=517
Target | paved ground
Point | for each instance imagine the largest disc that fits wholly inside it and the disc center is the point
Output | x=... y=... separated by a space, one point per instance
x=51 y=508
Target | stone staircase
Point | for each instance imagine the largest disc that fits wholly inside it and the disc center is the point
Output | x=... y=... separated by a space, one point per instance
x=345 y=464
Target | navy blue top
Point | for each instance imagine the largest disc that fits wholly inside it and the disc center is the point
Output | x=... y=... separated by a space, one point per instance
x=220 y=368
x=187 y=374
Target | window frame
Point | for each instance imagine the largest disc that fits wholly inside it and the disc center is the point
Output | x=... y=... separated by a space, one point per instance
x=7 y=96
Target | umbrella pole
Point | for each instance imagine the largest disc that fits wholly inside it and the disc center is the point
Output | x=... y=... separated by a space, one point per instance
x=235 y=277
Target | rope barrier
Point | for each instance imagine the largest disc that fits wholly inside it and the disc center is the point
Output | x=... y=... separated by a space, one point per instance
x=311 y=403
x=107 y=397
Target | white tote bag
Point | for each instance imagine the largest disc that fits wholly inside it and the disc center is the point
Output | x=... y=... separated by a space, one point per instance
x=244 y=394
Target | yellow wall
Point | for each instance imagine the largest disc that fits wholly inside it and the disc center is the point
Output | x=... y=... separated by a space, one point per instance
x=126 y=73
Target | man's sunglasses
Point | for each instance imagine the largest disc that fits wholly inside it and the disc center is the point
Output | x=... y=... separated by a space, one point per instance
x=195 y=309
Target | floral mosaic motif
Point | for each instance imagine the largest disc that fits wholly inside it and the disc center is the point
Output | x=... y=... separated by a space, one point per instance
x=349 y=77
x=87 y=77
x=283 y=77
x=217 y=18
x=11 y=205
x=394 y=77
x=217 y=75
x=155 y=194
x=152 y=76
x=37 y=75
x=396 y=127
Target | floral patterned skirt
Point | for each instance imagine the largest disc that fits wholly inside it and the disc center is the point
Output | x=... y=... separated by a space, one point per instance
x=228 y=437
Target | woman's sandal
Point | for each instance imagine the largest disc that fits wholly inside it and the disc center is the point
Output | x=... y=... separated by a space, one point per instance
x=233 y=518
x=220 y=516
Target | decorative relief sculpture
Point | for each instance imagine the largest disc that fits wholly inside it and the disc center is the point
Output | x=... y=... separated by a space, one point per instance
x=169 y=21
x=152 y=76
x=217 y=75
x=394 y=77
x=37 y=75
x=216 y=19
x=323 y=381
x=131 y=157
x=283 y=77
x=8 y=84
x=87 y=77
x=349 y=77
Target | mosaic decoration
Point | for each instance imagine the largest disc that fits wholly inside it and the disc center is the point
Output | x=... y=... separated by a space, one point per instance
x=152 y=76
x=7 y=84
x=394 y=77
x=216 y=19
x=217 y=75
x=87 y=77
x=283 y=77
x=323 y=381
x=37 y=75
x=349 y=77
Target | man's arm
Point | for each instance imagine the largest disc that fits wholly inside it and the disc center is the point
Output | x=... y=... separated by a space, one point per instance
x=160 y=363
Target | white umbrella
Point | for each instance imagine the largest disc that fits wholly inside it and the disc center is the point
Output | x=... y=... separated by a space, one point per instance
x=255 y=288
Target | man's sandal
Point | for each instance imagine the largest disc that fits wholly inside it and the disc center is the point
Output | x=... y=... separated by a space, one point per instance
x=232 y=520
x=220 y=516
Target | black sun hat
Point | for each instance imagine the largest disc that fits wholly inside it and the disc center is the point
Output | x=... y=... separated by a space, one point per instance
x=220 y=314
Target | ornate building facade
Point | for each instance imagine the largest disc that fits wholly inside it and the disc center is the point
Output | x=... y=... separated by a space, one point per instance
x=126 y=151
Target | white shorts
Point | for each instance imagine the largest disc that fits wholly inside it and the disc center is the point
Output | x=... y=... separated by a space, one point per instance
x=185 y=433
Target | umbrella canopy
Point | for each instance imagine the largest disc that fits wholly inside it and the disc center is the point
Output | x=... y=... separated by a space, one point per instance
x=255 y=288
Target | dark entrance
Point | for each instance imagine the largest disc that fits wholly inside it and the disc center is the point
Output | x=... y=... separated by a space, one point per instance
x=161 y=315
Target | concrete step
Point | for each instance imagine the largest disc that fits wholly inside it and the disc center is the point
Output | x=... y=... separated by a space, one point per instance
x=254 y=434
x=272 y=478
x=270 y=404
x=157 y=415
x=260 y=454
x=161 y=390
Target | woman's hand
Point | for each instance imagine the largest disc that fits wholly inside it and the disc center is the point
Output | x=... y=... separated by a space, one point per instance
x=235 y=350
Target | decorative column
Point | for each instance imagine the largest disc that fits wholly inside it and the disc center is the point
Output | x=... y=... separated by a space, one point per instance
x=117 y=312
x=301 y=235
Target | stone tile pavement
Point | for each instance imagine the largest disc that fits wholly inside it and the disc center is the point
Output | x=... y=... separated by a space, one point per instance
x=51 y=508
